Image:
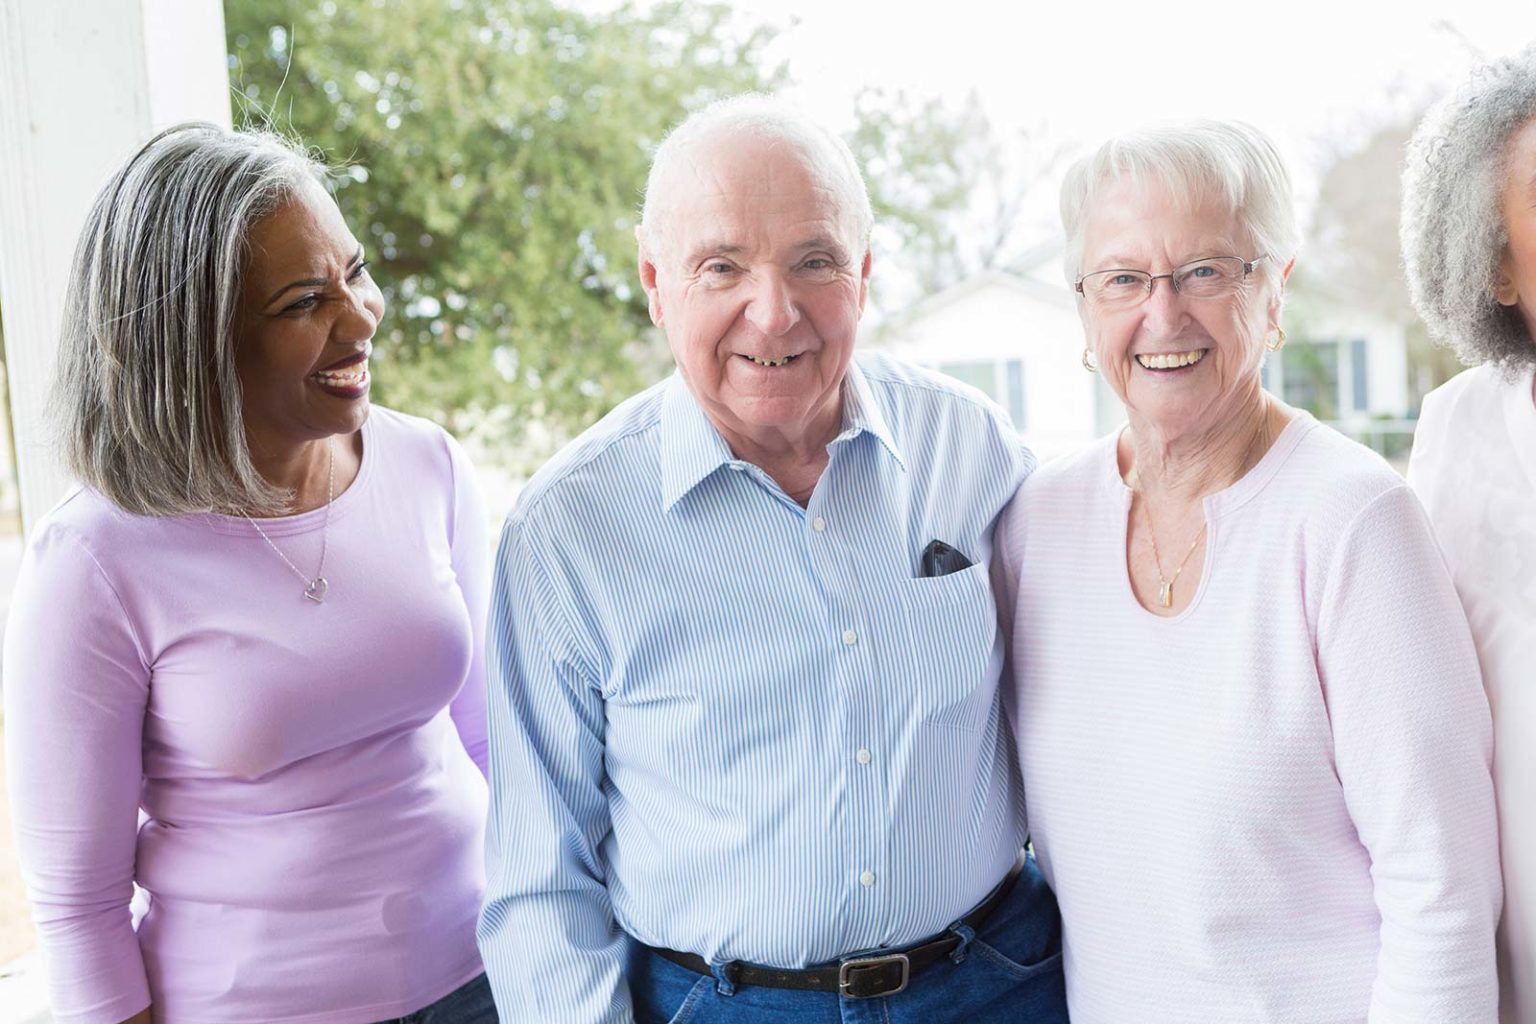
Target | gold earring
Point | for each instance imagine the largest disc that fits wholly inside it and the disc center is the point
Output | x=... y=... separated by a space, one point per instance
x=1276 y=339
x=1088 y=363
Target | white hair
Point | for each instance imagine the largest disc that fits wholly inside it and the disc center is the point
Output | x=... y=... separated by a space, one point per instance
x=1453 y=232
x=1198 y=162
x=761 y=116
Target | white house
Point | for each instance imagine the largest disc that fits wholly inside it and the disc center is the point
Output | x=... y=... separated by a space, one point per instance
x=1351 y=369
x=1017 y=337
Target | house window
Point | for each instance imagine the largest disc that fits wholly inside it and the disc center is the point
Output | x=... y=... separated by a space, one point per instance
x=1015 y=371
x=1359 y=375
x=1311 y=378
x=981 y=375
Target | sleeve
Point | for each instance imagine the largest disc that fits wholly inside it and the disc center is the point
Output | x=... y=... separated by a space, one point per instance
x=1424 y=459
x=471 y=544
x=1007 y=547
x=1412 y=745
x=76 y=688
x=551 y=948
x=1007 y=554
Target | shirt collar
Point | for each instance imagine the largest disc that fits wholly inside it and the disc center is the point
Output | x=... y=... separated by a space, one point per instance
x=691 y=448
x=862 y=413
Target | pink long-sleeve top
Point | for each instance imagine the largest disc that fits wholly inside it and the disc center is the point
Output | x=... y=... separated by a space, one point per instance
x=1276 y=805
x=311 y=776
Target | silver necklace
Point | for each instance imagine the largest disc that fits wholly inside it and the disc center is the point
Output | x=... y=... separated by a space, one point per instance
x=314 y=589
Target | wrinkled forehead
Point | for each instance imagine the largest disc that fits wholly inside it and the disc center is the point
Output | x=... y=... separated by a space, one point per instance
x=740 y=180
x=1128 y=213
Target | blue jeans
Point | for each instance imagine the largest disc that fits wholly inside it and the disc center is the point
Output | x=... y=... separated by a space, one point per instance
x=470 y=1003
x=1010 y=973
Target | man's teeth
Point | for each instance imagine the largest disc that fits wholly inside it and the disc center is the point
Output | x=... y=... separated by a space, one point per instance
x=347 y=377
x=1171 y=360
x=760 y=361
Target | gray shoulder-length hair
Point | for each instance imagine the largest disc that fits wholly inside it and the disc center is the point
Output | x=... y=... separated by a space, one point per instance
x=1226 y=162
x=145 y=397
x=1452 y=230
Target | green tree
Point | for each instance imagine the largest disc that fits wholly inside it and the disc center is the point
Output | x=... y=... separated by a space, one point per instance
x=949 y=190
x=493 y=157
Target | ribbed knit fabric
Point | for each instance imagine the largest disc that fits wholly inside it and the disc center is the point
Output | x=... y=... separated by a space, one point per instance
x=1276 y=805
x=1474 y=467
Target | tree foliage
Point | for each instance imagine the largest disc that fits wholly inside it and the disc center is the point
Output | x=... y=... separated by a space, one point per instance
x=949 y=189
x=492 y=158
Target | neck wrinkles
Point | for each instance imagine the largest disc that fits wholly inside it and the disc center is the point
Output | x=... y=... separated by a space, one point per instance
x=1189 y=468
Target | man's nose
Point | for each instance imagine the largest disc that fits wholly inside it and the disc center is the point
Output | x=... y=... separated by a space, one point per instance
x=772 y=308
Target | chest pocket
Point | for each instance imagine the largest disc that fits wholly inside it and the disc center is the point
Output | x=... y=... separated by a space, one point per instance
x=949 y=654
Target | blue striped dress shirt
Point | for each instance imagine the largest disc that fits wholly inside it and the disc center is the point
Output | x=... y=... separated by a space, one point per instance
x=726 y=724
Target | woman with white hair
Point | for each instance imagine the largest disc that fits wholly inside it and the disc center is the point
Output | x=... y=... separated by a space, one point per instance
x=243 y=662
x=1254 y=744
x=1469 y=242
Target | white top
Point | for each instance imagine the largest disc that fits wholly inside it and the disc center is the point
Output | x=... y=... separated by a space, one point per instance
x=1474 y=467
x=1275 y=805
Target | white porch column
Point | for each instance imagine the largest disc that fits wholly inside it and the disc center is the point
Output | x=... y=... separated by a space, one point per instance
x=82 y=85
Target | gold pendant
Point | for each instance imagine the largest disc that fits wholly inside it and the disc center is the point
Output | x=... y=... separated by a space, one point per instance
x=1165 y=595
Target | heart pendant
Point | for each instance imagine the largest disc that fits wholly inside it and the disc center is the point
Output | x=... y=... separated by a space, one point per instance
x=316 y=590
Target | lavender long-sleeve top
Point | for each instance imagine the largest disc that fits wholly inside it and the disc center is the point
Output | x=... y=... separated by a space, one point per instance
x=312 y=807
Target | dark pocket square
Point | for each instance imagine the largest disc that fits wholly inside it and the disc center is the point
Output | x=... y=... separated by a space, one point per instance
x=939 y=559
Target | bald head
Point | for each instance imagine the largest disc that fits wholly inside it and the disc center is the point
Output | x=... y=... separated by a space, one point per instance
x=707 y=145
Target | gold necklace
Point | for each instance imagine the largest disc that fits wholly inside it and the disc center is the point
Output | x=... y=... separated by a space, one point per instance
x=1165 y=585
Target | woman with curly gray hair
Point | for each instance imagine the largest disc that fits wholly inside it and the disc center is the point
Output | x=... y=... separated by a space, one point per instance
x=1469 y=242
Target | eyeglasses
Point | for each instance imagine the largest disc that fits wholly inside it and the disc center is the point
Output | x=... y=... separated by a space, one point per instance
x=1210 y=278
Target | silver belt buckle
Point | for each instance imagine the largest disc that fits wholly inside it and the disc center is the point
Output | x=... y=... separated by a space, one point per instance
x=843 y=982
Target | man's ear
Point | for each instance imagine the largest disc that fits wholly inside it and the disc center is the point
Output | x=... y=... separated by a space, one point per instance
x=648 y=279
x=869 y=258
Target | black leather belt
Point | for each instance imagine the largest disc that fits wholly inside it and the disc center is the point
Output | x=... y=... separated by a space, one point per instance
x=860 y=977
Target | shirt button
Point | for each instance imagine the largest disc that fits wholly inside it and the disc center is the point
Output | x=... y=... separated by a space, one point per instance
x=818 y=524
x=850 y=637
x=863 y=756
x=867 y=879
x=738 y=467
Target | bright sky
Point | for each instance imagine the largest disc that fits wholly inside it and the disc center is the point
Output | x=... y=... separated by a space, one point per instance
x=1311 y=73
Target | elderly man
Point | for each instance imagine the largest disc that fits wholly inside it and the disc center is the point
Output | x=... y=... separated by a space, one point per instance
x=747 y=753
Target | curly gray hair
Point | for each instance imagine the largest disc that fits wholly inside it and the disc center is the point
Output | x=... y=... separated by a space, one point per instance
x=1452 y=232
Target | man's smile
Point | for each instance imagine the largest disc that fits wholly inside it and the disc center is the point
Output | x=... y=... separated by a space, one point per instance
x=764 y=361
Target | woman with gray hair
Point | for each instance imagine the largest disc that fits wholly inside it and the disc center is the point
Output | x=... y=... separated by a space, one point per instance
x=243 y=662
x=1469 y=242
x=1254 y=744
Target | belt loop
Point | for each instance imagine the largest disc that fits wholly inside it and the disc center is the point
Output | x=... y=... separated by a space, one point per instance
x=725 y=977
x=967 y=935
